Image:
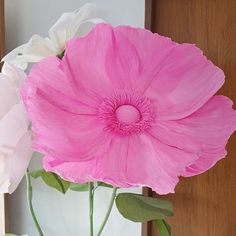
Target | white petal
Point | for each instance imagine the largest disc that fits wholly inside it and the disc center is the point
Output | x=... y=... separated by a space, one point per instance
x=85 y=27
x=14 y=53
x=8 y=96
x=36 y=49
x=16 y=75
x=4 y=173
x=10 y=82
x=16 y=57
x=84 y=14
x=12 y=127
x=68 y=24
x=59 y=31
x=20 y=161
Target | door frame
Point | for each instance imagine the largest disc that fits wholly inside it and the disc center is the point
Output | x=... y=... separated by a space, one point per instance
x=147 y=227
x=3 y=221
x=149 y=14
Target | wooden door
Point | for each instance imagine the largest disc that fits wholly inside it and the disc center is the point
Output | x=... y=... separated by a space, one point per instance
x=205 y=205
x=2 y=41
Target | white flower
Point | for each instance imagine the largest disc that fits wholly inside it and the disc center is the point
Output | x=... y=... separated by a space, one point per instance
x=15 y=137
x=69 y=25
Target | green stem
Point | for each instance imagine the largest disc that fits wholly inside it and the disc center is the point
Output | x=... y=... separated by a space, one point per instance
x=30 y=198
x=113 y=197
x=91 y=198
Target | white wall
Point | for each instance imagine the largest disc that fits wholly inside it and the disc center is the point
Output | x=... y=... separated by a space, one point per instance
x=63 y=215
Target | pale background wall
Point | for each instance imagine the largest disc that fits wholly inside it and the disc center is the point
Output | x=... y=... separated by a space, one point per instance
x=68 y=214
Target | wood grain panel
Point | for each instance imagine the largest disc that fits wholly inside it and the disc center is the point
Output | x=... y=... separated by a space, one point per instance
x=148 y=14
x=2 y=32
x=205 y=205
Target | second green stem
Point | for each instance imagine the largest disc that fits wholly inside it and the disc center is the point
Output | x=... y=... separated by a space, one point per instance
x=91 y=200
x=113 y=197
x=30 y=198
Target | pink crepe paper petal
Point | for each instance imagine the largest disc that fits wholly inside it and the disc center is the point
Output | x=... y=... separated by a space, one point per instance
x=119 y=165
x=129 y=108
x=177 y=76
x=205 y=133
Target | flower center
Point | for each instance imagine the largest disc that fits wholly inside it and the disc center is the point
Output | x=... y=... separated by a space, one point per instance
x=127 y=114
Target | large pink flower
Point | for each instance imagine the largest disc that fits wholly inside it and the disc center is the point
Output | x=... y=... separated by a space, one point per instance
x=130 y=108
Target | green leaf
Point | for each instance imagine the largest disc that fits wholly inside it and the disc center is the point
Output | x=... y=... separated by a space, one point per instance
x=52 y=180
x=85 y=187
x=163 y=227
x=79 y=187
x=102 y=184
x=139 y=208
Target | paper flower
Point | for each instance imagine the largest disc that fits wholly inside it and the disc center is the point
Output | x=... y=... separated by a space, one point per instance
x=15 y=139
x=68 y=25
x=128 y=107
